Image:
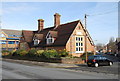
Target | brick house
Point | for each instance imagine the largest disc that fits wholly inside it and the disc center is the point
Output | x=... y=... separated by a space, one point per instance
x=70 y=36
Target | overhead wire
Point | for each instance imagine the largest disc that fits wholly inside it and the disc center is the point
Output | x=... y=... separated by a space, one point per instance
x=107 y=12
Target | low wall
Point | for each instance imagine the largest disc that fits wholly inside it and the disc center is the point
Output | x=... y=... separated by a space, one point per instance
x=72 y=60
x=51 y=60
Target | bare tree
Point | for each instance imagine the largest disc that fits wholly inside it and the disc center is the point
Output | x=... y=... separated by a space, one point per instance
x=111 y=45
x=99 y=47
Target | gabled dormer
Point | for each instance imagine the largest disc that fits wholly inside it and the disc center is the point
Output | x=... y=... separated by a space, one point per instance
x=51 y=37
x=37 y=38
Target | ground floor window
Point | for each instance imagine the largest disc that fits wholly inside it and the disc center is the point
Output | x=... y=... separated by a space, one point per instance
x=79 y=44
x=11 y=42
x=3 y=42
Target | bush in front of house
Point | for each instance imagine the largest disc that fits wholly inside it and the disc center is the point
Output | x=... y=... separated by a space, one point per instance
x=11 y=52
x=32 y=52
x=39 y=53
x=50 y=53
x=20 y=52
x=63 y=53
x=5 y=52
x=23 y=53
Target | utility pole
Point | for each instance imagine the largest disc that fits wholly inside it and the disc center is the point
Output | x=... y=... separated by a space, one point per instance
x=86 y=37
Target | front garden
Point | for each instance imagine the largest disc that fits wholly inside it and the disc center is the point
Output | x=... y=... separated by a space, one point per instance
x=52 y=55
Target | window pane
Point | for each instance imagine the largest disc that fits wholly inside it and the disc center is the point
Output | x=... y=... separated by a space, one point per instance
x=3 y=42
x=81 y=49
x=81 y=44
x=17 y=42
x=76 y=44
x=51 y=41
x=11 y=42
x=76 y=49
x=81 y=39
x=76 y=38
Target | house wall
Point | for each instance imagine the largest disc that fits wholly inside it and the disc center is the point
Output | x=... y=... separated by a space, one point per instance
x=6 y=45
x=24 y=45
x=71 y=44
x=90 y=48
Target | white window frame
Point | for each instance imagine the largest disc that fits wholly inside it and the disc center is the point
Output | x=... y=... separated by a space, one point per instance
x=49 y=40
x=79 y=47
x=36 y=41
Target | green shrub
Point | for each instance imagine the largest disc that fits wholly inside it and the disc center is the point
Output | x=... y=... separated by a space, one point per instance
x=32 y=52
x=20 y=52
x=63 y=53
x=39 y=53
x=23 y=53
x=5 y=52
x=11 y=52
x=50 y=53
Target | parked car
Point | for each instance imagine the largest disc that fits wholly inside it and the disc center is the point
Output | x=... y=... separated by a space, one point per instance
x=109 y=53
x=98 y=60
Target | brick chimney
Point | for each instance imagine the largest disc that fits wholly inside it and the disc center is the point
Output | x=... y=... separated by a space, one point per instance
x=56 y=19
x=40 y=24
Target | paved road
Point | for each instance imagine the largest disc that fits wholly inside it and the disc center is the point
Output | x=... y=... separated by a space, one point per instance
x=20 y=71
x=101 y=69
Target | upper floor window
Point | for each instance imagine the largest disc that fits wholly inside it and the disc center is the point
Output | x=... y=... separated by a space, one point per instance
x=49 y=39
x=11 y=42
x=79 y=38
x=36 y=42
x=3 y=42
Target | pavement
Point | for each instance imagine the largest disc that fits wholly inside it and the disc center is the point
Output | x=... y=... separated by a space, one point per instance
x=45 y=64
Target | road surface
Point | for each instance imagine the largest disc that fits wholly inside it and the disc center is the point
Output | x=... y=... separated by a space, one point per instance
x=101 y=69
x=19 y=71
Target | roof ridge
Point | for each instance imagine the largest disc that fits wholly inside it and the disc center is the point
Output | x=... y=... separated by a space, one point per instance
x=11 y=29
x=27 y=30
x=63 y=24
x=69 y=22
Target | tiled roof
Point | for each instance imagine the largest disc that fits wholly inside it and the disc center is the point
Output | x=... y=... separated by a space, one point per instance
x=38 y=36
x=28 y=35
x=12 y=33
x=63 y=33
x=53 y=33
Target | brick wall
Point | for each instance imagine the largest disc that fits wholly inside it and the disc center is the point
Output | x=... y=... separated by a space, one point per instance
x=71 y=44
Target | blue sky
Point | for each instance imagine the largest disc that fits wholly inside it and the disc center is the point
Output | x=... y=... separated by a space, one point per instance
x=102 y=22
